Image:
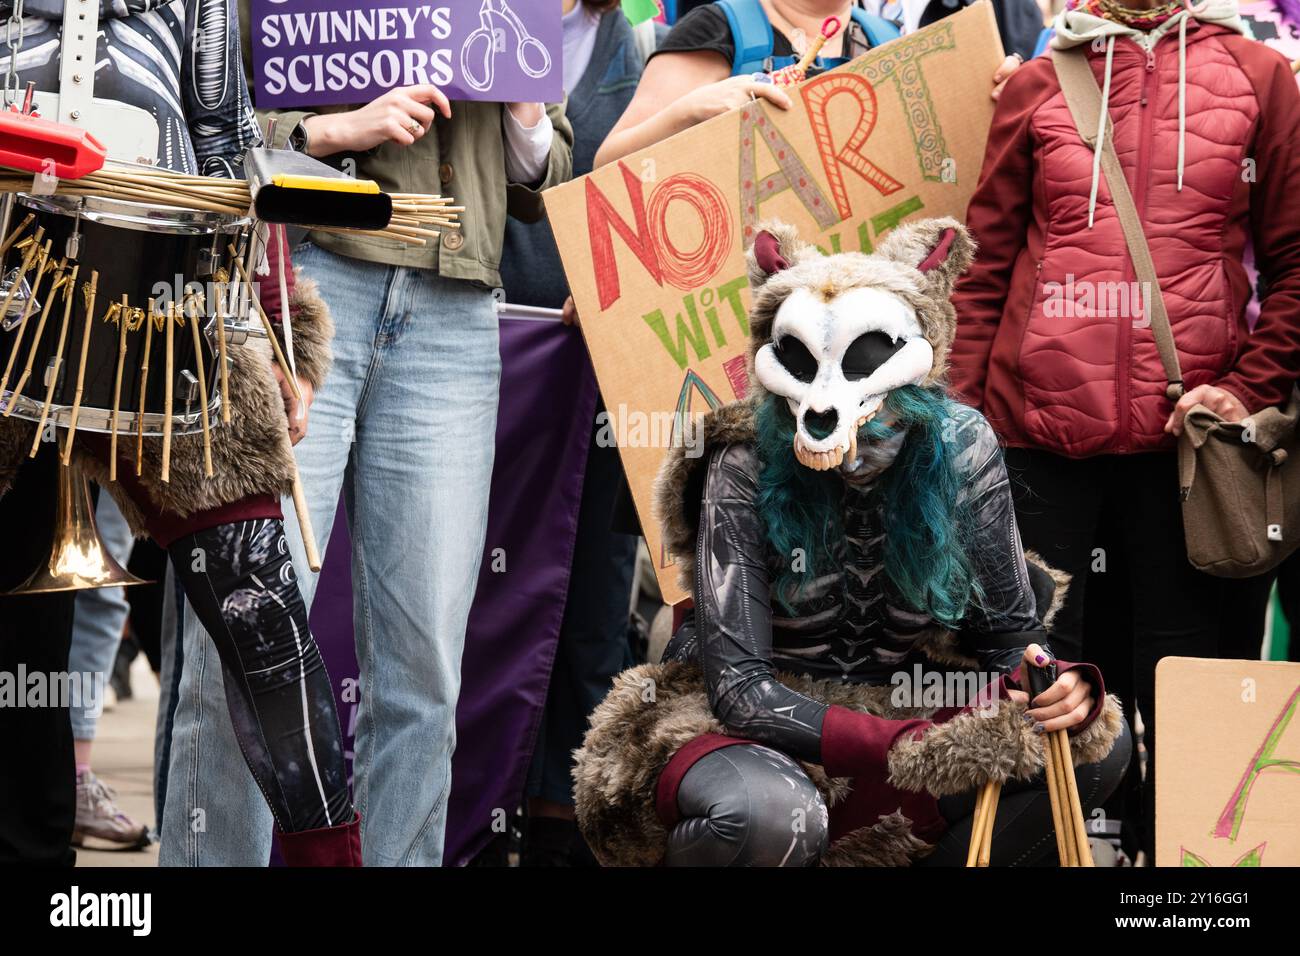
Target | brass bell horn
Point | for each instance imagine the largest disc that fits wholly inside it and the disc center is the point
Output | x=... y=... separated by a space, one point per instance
x=78 y=560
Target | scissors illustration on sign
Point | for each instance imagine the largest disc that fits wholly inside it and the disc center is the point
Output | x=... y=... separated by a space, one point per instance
x=484 y=44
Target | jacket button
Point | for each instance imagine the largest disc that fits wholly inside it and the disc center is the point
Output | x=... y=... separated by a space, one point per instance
x=452 y=241
x=445 y=173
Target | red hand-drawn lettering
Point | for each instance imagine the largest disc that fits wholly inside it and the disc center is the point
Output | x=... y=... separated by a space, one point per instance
x=689 y=270
x=817 y=95
x=601 y=216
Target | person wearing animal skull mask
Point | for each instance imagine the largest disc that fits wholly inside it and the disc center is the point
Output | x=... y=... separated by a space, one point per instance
x=850 y=538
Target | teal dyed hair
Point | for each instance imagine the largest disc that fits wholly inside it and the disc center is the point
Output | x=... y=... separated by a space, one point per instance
x=925 y=548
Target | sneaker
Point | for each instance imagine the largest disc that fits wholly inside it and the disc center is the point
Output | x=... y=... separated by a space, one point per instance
x=100 y=824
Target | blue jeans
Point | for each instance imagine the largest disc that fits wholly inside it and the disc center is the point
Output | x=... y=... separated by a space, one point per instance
x=405 y=428
x=100 y=616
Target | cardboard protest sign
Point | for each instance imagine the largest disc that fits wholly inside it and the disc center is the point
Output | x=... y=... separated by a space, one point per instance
x=653 y=245
x=1228 y=773
x=313 y=52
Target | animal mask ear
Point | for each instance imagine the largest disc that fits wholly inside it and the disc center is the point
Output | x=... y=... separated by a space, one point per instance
x=776 y=248
x=940 y=249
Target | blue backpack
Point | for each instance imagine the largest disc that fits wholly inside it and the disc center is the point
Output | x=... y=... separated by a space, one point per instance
x=752 y=33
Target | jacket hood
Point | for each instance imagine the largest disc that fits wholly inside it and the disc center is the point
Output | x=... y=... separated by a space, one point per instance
x=1073 y=27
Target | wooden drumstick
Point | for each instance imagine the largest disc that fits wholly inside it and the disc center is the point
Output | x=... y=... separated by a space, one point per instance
x=221 y=352
x=978 y=824
x=69 y=291
x=986 y=842
x=976 y=830
x=270 y=332
x=13 y=236
x=1063 y=772
x=1076 y=808
x=304 y=523
x=91 y=289
x=144 y=385
x=41 y=262
x=166 y=475
x=203 y=387
x=28 y=257
x=1049 y=774
x=123 y=320
x=59 y=279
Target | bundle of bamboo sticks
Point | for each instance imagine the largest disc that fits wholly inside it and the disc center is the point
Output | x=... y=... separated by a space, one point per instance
x=1063 y=793
x=417 y=217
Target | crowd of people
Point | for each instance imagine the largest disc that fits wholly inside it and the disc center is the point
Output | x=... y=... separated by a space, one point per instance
x=1069 y=450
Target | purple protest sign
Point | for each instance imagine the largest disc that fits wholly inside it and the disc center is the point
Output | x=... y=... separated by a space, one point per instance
x=315 y=52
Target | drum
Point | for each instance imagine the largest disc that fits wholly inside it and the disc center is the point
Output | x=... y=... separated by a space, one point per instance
x=177 y=257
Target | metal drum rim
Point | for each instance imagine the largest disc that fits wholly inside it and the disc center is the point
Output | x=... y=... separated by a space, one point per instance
x=141 y=217
x=92 y=418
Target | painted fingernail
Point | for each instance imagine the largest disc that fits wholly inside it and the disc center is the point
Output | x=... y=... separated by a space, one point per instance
x=1040 y=660
x=1026 y=718
x=1039 y=728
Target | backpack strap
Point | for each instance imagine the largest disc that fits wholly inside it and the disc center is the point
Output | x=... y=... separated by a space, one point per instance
x=751 y=32
x=878 y=29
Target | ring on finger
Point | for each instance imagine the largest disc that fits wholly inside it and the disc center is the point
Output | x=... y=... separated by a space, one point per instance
x=415 y=129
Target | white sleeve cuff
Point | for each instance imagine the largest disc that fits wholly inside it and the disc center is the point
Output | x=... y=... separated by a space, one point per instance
x=527 y=149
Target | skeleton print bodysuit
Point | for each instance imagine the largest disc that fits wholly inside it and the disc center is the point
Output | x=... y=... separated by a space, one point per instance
x=179 y=60
x=851 y=624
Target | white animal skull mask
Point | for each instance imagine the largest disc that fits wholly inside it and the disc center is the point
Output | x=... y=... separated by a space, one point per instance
x=834 y=335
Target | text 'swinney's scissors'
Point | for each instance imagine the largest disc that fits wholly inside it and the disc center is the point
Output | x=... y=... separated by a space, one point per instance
x=491 y=40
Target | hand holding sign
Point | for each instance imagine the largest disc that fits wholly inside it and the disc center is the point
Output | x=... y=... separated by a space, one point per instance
x=309 y=52
x=399 y=116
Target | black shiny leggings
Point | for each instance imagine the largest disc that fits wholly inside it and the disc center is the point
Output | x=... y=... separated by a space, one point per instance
x=750 y=805
x=241 y=583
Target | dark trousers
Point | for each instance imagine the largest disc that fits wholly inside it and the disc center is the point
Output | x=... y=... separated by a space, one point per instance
x=37 y=786
x=1114 y=523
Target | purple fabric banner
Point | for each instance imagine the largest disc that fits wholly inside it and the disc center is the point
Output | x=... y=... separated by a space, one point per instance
x=311 y=52
x=548 y=400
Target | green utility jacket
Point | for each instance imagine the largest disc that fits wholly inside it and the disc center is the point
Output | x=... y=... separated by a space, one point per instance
x=463 y=157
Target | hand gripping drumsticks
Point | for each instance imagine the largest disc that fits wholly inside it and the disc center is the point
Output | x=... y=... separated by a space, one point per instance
x=1062 y=791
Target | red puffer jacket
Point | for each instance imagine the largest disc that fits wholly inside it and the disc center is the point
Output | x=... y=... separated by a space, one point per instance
x=1048 y=345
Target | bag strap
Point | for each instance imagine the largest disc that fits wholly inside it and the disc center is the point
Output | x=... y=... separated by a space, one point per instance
x=877 y=29
x=1083 y=97
x=751 y=32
